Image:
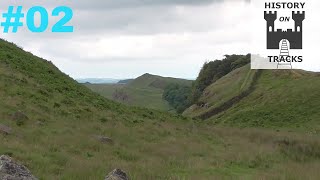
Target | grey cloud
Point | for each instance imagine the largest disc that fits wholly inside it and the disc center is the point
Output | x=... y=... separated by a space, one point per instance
x=133 y=21
x=110 y=4
x=140 y=3
x=142 y=21
x=130 y=16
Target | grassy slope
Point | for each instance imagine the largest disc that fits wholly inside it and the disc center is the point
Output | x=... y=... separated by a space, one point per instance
x=223 y=90
x=147 y=144
x=149 y=80
x=280 y=99
x=105 y=90
x=288 y=99
x=144 y=91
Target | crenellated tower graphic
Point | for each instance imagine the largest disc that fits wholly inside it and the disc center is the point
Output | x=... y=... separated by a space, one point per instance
x=293 y=36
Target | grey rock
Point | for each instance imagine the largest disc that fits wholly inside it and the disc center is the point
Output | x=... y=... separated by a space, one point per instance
x=40 y=123
x=19 y=116
x=104 y=139
x=11 y=170
x=117 y=174
x=5 y=129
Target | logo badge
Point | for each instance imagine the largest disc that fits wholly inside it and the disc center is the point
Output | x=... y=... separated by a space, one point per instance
x=284 y=39
x=283 y=34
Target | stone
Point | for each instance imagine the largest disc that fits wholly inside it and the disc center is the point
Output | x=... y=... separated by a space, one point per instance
x=5 y=129
x=40 y=123
x=11 y=170
x=104 y=139
x=117 y=174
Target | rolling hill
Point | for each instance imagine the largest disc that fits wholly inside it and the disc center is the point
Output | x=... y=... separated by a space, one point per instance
x=144 y=91
x=282 y=98
x=265 y=98
x=60 y=129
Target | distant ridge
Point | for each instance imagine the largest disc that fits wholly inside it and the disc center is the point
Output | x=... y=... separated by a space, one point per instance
x=156 y=81
x=125 y=81
x=98 y=80
x=144 y=91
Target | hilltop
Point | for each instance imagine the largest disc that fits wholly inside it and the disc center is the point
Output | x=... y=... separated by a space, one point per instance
x=144 y=91
x=153 y=81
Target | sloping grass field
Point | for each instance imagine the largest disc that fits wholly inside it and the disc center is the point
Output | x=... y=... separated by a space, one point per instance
x=144 y=91
x=224 y=89
x=287 y=99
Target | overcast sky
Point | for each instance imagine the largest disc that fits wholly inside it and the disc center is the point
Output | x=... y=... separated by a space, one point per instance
x=127 y=38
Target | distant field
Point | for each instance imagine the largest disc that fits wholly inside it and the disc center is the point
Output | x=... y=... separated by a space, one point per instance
x=143 y=97
x=144 y=91
x=105 y=90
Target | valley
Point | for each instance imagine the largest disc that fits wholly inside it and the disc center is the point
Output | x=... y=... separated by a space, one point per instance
x=61 y=129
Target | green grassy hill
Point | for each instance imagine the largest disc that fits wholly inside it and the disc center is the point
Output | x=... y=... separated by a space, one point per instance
x=144 y=91
x=224 y=89
x=105 y=90
x=56 y=135
x=56 y=124
x=269 y=98
x=282 y=98
x=149 y=80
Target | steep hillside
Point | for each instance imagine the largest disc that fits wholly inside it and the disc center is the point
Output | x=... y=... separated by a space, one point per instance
x=266 y=98
x=55 y=125
x=144 y=91
x=214 y=70
x=223 y=90
x=282 y=98
x=34 y=85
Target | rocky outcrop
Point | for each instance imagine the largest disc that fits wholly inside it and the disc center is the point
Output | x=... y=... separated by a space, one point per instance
x=117 y=174
x=11 y=170
x=5 y=129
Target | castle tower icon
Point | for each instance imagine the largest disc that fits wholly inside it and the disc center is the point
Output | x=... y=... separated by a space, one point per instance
x=293 y=36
